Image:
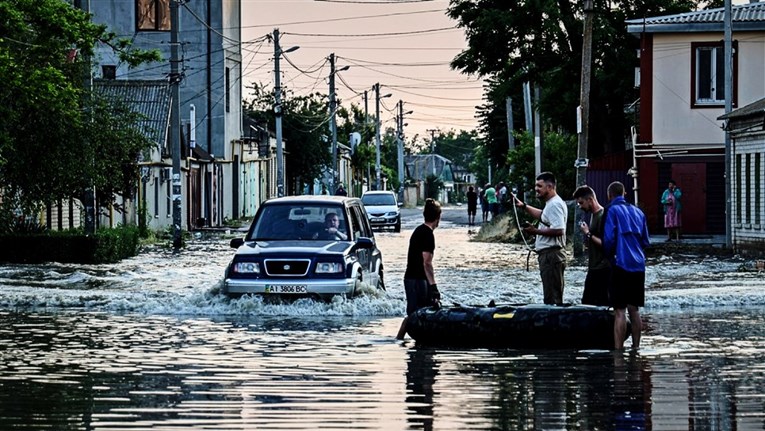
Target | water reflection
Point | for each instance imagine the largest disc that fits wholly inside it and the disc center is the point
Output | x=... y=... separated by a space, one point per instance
x=421 y=373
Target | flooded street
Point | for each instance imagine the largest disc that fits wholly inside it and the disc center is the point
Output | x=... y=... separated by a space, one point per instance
x=150 y=344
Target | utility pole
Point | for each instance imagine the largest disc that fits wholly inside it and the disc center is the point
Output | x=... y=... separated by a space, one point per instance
x=728 y=50
x=278 y=116
x=333 y=120
x=89 y=198
x=377 y=134
x=433 y=148
x=400 y=135
x=527 y=106
x=537 y=132
x=175 y=123
x=583 y=116
x=400 y=142
x=333 y=117
x=278 y=113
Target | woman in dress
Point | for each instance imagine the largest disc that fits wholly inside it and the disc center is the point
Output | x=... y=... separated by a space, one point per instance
x=672 y=210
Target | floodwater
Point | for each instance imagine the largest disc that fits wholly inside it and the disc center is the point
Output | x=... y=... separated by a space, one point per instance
x=149 y=344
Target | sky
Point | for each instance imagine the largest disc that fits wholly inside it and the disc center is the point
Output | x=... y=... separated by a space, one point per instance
x=405 y=47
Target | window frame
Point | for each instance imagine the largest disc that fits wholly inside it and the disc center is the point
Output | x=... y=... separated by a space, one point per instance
x=158 y=16
x=719 y=47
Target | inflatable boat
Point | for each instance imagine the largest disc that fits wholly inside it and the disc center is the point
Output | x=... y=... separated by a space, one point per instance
x=515 y=326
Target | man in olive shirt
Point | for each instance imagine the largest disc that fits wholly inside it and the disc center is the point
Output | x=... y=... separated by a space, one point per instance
x=598 y=268
x=551 y=236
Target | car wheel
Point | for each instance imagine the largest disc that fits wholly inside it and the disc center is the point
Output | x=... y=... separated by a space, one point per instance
x=380 y=279
x=398 y=226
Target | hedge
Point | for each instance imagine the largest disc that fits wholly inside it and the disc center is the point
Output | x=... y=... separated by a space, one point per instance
x=70 y=246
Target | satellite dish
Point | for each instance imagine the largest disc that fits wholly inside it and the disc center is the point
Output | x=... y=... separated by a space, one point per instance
x=355 y=139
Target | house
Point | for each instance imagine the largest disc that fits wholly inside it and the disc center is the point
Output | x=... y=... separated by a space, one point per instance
x=210 y=98
x=420 y=166
x=747 y=130
x=681 y=97
x=150 y=99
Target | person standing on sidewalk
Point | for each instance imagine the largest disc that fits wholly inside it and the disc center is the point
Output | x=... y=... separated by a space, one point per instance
x=625 y=236
x=550 y=236
x=598 y=267
x=671 y=199
x=419 y=278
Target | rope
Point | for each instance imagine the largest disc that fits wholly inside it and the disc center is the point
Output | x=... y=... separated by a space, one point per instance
x=520 y=230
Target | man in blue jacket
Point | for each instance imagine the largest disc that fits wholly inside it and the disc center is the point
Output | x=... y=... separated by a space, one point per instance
x=624 y=238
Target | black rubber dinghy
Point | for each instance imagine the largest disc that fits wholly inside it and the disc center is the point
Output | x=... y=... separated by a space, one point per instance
x=516 y=326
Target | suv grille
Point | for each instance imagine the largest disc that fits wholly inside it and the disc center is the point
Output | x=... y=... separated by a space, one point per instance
x=287 y=267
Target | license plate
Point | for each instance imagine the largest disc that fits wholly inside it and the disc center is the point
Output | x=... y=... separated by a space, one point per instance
x=378 y=219
x=287 y=288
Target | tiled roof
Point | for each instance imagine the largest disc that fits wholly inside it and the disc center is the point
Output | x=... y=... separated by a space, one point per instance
x=745 y=17
x=150 y=98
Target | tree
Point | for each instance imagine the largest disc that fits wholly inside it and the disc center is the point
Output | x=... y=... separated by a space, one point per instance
x=305 y=124
x=47 y=116
x=558 y=152
x=510 y=43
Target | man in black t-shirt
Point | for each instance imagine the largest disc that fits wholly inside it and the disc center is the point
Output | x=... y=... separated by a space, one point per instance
x=472 y=204
x=419 y=278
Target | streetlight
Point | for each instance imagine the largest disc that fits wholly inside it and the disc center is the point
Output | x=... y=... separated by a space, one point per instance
x=377 y=133
x=278 y=113
x=332 y=117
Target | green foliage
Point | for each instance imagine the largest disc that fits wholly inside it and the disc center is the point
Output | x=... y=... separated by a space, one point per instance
x=304 y=124
x=459 y=147
x=70 y=246
x=49 y=120
x=540 y=42
x=433 y=184
x=558 y=153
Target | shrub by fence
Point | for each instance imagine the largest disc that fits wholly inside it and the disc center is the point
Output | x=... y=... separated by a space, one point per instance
x=71 y=246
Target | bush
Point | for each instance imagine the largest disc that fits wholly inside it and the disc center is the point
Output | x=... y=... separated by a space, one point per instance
x=70 y=246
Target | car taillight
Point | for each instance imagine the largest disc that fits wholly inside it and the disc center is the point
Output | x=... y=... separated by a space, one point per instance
x=329 y=267
x=247 y=268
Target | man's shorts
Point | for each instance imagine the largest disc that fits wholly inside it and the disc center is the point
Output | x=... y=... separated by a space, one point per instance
x=627 y=288
x=416 y=295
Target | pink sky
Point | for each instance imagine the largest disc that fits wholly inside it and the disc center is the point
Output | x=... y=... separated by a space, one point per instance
x=412 y=67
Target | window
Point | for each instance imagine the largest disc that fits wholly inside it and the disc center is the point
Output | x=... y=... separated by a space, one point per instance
x=739 y=180
x=109 y=71
x=708 y=74
x=748 y=177
x=153 y=15
x=757 y=189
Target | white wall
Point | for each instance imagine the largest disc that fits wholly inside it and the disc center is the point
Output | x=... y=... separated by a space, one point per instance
x=674 y=122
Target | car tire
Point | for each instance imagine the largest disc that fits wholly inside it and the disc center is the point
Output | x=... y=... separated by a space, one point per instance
x=397 y=229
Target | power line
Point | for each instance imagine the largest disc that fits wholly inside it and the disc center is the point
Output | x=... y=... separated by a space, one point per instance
x=400 y=33
x=318 y=21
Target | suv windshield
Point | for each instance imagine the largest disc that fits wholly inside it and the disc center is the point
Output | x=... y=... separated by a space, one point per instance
x=378 y=199
x=300 y=222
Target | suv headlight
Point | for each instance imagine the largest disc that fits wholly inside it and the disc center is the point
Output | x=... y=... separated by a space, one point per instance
x=392 y=214
x=247 y=268
x=329 y=267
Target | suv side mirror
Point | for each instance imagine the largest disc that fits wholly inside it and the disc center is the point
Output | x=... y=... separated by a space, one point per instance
x=400 y=204
x=364 y=242
x=237 y=242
